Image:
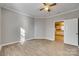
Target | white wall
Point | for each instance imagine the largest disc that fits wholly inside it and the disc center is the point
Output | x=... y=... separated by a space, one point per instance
x=40 y=28
x=46 y=26
x=11 y=24
x=49 y=29
x=64 y=17
x=0 y=25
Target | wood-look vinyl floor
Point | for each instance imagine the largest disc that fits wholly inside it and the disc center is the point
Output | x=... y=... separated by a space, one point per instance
x=40 y=48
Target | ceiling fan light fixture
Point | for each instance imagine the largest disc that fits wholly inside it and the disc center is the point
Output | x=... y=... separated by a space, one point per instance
x=46 y=8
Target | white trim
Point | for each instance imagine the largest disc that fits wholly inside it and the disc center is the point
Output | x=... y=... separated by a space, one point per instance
x=30 y=39
x=65 y=12
x=60 y=13
x=21 y=42
x=26 y=14
x=43 y=38
x=39 y=38
x=9 y=43
x=71 y=44
x=13 y=42
x=19 y=12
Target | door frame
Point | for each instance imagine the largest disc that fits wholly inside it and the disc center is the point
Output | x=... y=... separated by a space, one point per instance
x=64 y=33
x=54 y=27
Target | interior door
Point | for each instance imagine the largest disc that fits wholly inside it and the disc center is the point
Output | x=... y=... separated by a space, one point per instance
x=71 y=31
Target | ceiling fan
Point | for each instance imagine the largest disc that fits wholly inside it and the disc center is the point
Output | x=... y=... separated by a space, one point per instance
x=47 y=6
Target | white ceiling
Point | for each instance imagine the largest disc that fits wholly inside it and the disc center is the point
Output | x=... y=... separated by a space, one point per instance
x=33 y=9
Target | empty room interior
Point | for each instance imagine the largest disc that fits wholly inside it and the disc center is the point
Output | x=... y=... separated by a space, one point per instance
x=39 y=29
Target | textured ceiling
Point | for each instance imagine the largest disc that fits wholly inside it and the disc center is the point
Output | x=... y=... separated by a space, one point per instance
x=33 y=9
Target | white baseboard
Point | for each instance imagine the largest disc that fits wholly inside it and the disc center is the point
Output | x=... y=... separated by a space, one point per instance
x=43 y=38
x=21 y=42
x=71 y=44
x=30 y=39
x=13 y=42
x=8 y=44
x=40 y=38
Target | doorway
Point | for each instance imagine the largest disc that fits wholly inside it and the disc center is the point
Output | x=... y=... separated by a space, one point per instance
x=59 y=31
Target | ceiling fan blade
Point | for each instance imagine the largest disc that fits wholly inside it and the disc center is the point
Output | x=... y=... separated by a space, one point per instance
x=45 y=4
x=49 y=10
x=41 y=9
x=53 y=4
